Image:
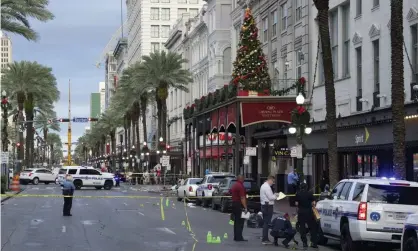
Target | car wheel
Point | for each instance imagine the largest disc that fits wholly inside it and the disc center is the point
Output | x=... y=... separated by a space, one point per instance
x=410 y=244
x=224 y=207
x=108 y=185
x=35 y=181
x=198 y=202
x=347 y=244
x=98 y=188
x=178 y=197
x=214 y=205
x=78 y=184
x=321 y=239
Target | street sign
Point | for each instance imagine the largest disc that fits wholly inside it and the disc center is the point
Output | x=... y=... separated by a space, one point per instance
x=80 y=120
x=246 y=160
x=4 y=157
x=165 y=160
x=251 y=151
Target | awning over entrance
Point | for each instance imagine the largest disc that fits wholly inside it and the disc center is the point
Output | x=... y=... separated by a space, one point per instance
x=212 y=152
x=257 y=112
x=223 y=117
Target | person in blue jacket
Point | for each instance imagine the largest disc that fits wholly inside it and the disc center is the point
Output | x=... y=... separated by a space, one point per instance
x=67 y=190
x=282 y=228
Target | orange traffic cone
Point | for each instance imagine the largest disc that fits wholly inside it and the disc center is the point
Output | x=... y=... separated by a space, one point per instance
x=15 y=184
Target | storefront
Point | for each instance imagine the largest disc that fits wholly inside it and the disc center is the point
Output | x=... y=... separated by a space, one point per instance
x=365 y=145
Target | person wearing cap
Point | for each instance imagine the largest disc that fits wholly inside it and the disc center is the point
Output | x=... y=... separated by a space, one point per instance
x=67 y=190
x=282 y=228
x=305 y=201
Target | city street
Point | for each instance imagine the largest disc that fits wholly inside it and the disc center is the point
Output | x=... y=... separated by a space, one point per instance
x=103 y=224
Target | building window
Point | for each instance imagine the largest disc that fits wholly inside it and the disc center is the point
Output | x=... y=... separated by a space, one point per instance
x=274 y=24
x=375 y=3
x=193 y=1
x=265 y=29
x=165 y=31
x=359 y=78
x=180 y=12
x=283 y=9
x=298 y=59
x=359 y=7
x=165 y=14
x=155 y=13
x=334 y=42
x=414 y=54
x=346 y=40
x=298 y=10
x=154 y=1
x=165 y=1
x=155 y=47
x=155 y=31
x=182 y=1
x=193 y=12
x=376 y=72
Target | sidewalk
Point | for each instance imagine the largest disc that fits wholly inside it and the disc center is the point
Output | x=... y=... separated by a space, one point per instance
x=11 y=194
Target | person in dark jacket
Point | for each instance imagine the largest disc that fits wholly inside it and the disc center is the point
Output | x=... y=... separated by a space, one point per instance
x=305 y=201
x=117 y=179
x=282 y=228
x=67 y=190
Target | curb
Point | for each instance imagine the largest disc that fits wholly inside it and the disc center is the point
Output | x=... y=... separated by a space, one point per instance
x=8 y=197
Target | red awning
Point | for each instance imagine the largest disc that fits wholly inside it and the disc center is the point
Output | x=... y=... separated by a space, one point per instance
x=224 y=117
x=212 y=152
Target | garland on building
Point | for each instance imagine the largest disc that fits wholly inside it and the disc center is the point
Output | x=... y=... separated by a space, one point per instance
x=299 y=85
x=250 y=67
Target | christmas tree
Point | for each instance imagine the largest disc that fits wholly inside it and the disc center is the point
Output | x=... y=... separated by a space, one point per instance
x=250 y=67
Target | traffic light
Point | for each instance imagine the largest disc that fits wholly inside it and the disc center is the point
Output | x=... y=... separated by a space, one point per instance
x=64 y=120
x=93 y=119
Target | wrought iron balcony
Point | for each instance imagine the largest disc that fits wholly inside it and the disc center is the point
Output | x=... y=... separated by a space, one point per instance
x=287 y=87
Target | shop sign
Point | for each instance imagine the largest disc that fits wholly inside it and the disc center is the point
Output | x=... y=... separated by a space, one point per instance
x=254 y=113
x=280 y=153
x=214 y=139
x=362 y=138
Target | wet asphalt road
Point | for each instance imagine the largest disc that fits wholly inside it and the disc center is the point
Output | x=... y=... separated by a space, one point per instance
x=106 y=224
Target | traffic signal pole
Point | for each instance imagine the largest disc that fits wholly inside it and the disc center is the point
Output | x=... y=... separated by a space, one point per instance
x=69 y=123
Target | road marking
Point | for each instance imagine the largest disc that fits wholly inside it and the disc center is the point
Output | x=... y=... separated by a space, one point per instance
x=141 y=213
x=64 y=229
x=50 y=188
x=162 y=209
x=35 y=188
x=164 y=229
x=125 y=204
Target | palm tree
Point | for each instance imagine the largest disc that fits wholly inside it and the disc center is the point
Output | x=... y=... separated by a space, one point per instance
x=398 y=95
x=54 y=142
x=109 y=122
x=15 y=13
x=322 y=17
x=161 y=71
x=45 y=123
x=32 y=85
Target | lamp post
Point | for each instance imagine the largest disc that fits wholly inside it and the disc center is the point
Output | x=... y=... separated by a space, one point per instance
x=300 y=127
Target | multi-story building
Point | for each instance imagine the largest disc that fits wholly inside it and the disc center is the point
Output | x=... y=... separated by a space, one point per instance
x=102 y=91
x=361 y=53
x=188 y=37
x=148 y=26
x=110 y=77
x=94 y=105
x=6 y=50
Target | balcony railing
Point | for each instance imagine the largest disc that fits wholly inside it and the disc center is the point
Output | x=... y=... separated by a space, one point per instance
x=287 y=86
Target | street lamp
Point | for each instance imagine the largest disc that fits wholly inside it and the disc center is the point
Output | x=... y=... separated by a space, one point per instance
x=161 y=139
x=300 y=99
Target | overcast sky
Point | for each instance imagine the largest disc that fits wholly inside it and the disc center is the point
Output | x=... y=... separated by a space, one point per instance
x=71 y=44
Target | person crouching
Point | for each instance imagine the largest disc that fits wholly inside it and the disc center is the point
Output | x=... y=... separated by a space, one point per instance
x=282 y=228
x=68 y=191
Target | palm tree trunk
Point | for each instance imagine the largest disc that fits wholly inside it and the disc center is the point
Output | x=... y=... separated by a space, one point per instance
x=113 y=143
x=323 y=8
x=125 y=127
x=398 y=95
x=159 y=117
x=51 y=158
x=144 y=117
x=20 y=119
x=45 y=132
x=164 y=119
x=29 y=130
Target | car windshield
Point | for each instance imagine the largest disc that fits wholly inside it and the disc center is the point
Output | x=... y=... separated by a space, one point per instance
x=62 y=171
x=194 y=181
x=404 y=195
x=247 y=184
x=217 y=179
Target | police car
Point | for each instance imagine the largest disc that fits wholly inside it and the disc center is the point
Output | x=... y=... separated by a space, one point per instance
x=87 y=177
x=369 y=210
x=206 y=187
x=409 y=236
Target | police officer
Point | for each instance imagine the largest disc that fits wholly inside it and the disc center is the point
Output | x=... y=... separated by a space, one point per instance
x=67 y=190
x=305 y=201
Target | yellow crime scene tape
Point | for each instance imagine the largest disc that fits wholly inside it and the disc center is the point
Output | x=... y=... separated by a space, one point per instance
x=122 y=196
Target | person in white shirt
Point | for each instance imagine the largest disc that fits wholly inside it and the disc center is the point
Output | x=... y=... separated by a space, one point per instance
x=267 y=199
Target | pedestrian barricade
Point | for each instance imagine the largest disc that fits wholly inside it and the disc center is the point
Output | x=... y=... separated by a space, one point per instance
x=15 y=184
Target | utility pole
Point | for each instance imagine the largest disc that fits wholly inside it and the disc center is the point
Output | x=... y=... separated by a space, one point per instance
x=69 y=123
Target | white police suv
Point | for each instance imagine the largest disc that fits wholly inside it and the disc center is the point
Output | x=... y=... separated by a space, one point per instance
x=409 y=237
x=360 y=211
x=206 y=187
x=87 y=177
